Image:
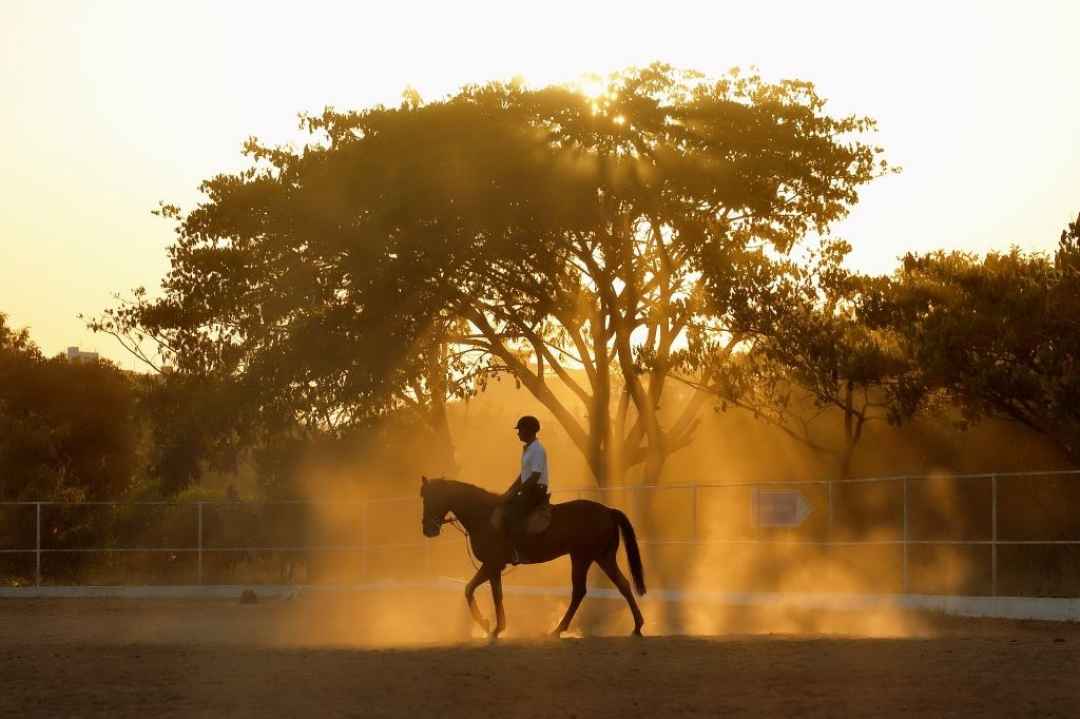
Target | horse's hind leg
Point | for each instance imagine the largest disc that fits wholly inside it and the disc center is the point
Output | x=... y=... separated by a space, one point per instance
x=479 y=578
x=578 y=575
x=497 y=597
x=610 y=565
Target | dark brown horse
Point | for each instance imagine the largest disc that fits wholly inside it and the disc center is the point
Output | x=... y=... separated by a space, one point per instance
x=587 y=531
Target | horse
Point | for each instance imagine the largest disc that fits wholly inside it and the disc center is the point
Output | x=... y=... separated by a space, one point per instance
x=587 y=531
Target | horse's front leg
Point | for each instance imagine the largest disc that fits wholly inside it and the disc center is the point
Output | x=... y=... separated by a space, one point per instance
x=482 y=575
x=497 y=595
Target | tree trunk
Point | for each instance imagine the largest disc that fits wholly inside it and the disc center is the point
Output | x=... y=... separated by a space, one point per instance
x=438 y=420
x=654 y=465
x=853 y=427
x=845 y=460
x=599 y=454
x=445 y=452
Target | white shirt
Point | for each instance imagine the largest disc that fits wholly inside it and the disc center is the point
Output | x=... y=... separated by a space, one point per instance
x=534 y=459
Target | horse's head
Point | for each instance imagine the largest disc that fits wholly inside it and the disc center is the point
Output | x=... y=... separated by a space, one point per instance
x=433 y=494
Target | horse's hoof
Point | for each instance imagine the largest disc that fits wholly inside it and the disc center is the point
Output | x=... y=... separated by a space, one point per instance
x=637 y=633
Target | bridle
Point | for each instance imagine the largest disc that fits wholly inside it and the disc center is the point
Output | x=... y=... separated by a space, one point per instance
x=456 y=523
x=453 y=521
x=445 y=520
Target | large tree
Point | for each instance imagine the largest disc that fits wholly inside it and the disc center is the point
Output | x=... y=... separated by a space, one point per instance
x=68 y=430
x=812 y=364
x=999 y=334
x=563 y=238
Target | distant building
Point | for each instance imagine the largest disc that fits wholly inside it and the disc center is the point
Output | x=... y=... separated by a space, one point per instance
x=74 y=355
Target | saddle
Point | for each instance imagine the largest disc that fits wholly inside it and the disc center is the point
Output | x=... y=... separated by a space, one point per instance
x=536 y=523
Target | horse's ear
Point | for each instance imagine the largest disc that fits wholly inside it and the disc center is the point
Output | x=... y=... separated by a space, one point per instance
x=423 y=480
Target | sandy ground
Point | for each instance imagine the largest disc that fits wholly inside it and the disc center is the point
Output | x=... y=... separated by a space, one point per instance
x=406 y=656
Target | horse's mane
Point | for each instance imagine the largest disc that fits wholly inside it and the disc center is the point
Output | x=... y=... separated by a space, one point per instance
x=470 y=491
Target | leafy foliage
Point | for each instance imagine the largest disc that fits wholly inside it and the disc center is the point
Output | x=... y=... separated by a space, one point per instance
x=407 y=253
x=999 y=334
x=810 y=355
x=66 y=429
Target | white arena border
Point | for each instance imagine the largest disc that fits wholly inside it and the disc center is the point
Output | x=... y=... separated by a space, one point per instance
x=1025 y=608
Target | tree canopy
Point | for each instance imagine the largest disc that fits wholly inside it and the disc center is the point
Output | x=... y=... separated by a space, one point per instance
x=811 y=357
x=999 y=334
x=405 y=254
x=66 y=429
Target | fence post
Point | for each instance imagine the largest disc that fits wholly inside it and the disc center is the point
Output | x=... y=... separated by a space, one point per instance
x=906 y=585
x=993 y=536
x=37 y=550
x=199 y=567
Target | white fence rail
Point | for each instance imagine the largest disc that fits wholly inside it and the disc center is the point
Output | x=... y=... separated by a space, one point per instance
x=667 y=515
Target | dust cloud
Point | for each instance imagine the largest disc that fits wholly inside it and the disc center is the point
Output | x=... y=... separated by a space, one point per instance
x=702 y=541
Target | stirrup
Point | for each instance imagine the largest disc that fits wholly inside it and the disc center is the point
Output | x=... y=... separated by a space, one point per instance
x=515 y=557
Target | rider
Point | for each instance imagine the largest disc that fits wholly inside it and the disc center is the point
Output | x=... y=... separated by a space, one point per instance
x=530 y=487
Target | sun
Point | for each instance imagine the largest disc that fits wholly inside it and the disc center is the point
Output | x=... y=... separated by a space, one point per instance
x=592 y=86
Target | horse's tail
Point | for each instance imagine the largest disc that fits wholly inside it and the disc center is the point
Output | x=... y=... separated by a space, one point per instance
x=632 y=553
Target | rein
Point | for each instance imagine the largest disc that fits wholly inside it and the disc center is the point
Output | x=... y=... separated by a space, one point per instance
x=453 y=521
x=456 y=523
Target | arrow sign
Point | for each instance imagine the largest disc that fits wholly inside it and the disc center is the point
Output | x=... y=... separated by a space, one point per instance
x=780 y=507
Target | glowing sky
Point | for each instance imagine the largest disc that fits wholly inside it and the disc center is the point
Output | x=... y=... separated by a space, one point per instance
x=109 y=107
